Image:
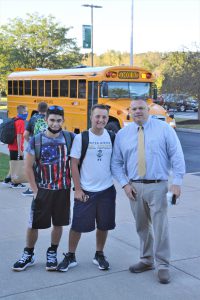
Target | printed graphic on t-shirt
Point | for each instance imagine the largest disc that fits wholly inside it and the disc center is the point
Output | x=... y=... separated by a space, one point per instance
x=52 y=171
x=99 y=147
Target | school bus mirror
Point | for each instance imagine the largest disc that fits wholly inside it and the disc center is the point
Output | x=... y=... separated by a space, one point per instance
x=104 y=88
x=155 y=93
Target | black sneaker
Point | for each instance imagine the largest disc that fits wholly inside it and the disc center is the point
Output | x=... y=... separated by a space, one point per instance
x=7 y=181
x=17 y=185
x=51 y=260
x=27 y=260
x=101 y=261
x=69 y=261
x=28 y=192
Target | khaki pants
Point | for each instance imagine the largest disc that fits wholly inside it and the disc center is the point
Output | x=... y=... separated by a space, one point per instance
x=150 y=213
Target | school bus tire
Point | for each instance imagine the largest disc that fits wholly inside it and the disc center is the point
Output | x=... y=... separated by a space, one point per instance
x=113 y=126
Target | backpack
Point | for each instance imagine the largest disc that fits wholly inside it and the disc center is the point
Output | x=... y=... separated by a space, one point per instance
x=7 y=131
x=40 y=125
x=69 y=136
x=85 y=142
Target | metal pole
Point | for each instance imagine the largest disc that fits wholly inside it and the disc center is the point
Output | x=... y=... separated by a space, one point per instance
x=131 y=46
x=92 y=49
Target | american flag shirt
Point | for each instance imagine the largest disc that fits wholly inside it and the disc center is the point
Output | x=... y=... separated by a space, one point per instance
x=52 y=169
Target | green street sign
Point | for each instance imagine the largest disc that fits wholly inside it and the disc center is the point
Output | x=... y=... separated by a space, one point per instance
x=87 y=36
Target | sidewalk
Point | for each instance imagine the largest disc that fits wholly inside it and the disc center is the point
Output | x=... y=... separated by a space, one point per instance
x=86 y=281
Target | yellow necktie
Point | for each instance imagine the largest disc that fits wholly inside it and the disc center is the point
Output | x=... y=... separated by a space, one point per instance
x=141 y=152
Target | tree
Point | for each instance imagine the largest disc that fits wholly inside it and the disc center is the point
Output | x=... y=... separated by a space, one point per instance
x=182 y=73
x=36 y=41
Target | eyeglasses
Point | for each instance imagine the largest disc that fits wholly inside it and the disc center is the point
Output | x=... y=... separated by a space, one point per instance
x=55 y=107
x=139 y=108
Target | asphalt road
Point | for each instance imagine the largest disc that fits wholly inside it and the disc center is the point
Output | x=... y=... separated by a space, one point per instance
x=191 y=147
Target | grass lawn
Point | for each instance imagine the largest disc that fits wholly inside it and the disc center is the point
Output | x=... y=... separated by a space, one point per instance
x=4 y=165
x=3 y=103
x=3 y=107
x=3 y=99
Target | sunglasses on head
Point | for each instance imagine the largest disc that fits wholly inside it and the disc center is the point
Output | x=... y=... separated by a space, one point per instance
x=55 y=107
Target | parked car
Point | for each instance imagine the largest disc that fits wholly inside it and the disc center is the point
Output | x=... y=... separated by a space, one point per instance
x=180 y=102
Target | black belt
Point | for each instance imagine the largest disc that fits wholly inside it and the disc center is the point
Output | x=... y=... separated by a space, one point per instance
x=145 y=181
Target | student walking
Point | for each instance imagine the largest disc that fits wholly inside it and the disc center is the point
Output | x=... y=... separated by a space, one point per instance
x=16 y=149
x=35 y=125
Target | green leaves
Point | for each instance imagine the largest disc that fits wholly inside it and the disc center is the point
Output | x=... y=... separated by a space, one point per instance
x=36 y=41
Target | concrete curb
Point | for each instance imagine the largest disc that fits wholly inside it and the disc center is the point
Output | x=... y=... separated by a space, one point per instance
x=188 y=130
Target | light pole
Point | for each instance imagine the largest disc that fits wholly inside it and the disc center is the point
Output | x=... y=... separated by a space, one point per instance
x=131 y=48
x=92 y=6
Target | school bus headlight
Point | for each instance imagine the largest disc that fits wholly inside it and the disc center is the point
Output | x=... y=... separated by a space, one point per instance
x=172 y=123
x=126 y=123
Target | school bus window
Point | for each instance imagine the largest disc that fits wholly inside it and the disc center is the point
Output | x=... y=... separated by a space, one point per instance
x=139 y=90
x=15 y=87
x=27 y=87
x=21 y=87
x=41 y=87
x=47 y=88
x=73 y=88
x=34 y=87
x=10 y=87
x=55 y=88
x=63 y=88
x=81 y=89
x=118 y=90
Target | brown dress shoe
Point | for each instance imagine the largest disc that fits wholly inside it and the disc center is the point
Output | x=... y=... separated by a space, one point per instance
x=163 y=276
x=140 y=267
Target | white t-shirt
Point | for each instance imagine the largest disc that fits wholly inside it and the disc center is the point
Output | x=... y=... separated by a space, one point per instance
x=95 y=173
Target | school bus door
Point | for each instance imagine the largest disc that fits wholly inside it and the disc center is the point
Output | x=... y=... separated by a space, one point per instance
x=92 y=98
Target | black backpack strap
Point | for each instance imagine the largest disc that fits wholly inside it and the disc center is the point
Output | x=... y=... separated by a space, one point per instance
x=112 y=136
x=37 y=144
x=69 y=137
x=84 y=146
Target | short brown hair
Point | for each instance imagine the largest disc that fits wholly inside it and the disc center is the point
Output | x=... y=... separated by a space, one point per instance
x=42 y=107
x=21 y=109
x=100 y=106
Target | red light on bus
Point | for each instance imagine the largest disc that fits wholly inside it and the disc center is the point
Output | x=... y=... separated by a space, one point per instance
x=114 y=75
x=119 y=112
x=111 y=74
x=108 y=74
x=148 y=75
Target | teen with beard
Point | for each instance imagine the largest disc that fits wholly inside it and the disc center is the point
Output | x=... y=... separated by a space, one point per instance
x=49 y=178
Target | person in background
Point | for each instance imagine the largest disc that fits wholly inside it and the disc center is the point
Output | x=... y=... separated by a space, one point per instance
x=50 y=184
x=16 y=149
x=94 y=198
x=29 y=132
x=143 y=174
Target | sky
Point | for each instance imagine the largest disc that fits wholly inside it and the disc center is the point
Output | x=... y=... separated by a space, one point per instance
x=158 y=25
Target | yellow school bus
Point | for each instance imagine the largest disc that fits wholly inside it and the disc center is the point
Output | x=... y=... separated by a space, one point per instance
x=77 y=89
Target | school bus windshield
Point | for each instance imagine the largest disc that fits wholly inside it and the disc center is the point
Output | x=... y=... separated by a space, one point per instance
x=132 y=90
